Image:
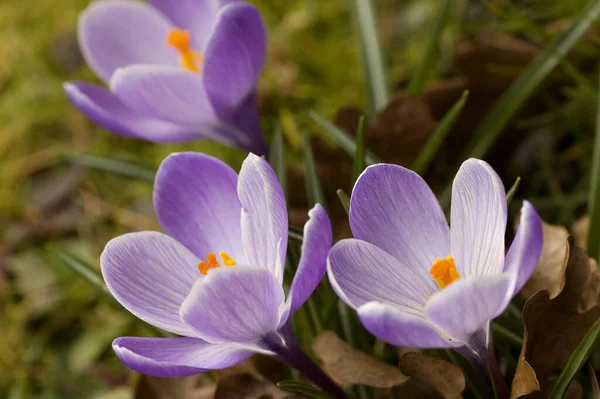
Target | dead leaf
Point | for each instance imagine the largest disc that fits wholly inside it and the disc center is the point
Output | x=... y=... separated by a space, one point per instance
x=246 y=386
x=553 y=328
x=445 y=377
x=349 y=366
x=580 y=231
x=549 y=274
x=594 y=380
x=194 y=387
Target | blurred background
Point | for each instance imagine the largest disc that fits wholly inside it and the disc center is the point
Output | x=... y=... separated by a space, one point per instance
x=56 y=329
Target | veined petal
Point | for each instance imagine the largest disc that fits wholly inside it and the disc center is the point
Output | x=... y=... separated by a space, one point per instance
x=164 y=92
x=360 y=272
x=117 y=33
x=467 y=305
x=234 y=304
x=150 y=274
x=400 y=328
x=196 y=202
x=178 y=357
x=313 y=262
x=393 y=208
x=478 y=220
x=526 y=248
x=109 y=111
x=264 y=215
x=247 y=119
x=234 y=56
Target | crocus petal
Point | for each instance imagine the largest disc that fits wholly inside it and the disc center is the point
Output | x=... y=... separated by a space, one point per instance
x=177 y=357
x=164 y=92
x=107 y=110
x=360 y=272
x=526 y=248
x=478 y=219
x=401 y=328
x=234 y=304
x=264 y=215
x=117 y=33
x=196 y=202
x=234 y=56
x=393 y=208
x=468 y=305
x=247 y=119
x=150 y=274
x=313 y=262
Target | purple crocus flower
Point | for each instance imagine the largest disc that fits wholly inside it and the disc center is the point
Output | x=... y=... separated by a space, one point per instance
x=177 y=70
x=416 y=282
x=215 y=278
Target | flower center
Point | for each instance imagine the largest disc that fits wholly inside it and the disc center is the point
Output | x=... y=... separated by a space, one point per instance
x=444 y=272
x=189 y=59
x=211 y=262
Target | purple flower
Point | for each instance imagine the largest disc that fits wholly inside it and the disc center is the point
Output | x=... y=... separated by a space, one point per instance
x=215 y=277
x=417 y=283
x=177 y=70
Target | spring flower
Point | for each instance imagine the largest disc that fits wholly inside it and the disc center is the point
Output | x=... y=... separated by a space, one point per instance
x=415 y=281
x=215 y=278
x=176 y=70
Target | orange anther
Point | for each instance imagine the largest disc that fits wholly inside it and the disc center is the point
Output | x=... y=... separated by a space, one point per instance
x=444 y=272
x=211 y=262
x=189 y=59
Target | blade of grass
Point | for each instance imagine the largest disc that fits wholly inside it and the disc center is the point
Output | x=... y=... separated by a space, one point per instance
x=513 y=190
x=508 y=335
x=359 y=158
x=576 y=361
x=528 y=81
x=434 y=142
x=372 y=56
x=428 y=51
x=343 y=139
x=344 y=199
x=313 y=183
x=121 y=168
x=278 y=157
x=302 y=388
x=593 y=237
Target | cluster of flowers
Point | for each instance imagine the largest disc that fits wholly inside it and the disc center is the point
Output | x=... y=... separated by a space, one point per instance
x=186 y=69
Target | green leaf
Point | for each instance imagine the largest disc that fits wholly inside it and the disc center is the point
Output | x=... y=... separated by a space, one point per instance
x=359 y=157
x=313 y=184
x=295 y=233
x=576 y=361
x=513 y=190
x=509 y=336
x=425 y=60
x=372 y=56
x=344 y=199
x=278 y=158
x=437 y=138
x=528 y=81
x=302 y=388
x=343 y=139
x=121 y=168
x=593 y=238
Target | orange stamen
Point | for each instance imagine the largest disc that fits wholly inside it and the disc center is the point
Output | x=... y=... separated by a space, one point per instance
x=444 y=272
x=212 y=263
x=189 y=59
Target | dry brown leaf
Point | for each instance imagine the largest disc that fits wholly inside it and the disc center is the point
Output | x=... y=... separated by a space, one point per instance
x=549 y=274
x=246 y=386
x=349 y=366
x=594 y=380
x=194 y=387
x=445 y=377
x=553 y=328
x=580 y=231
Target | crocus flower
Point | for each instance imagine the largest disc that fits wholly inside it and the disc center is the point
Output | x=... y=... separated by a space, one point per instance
x=177 y=70
x=417 y=282
x=215 y=278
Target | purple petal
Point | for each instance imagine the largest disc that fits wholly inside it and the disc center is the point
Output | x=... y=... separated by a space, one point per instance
x=468 y=305
x=526 y=248
x=264 y=215
x=177 y=357
x=150 y=274
x=400 y=328
x=234 y=57
x=196 y=202
x=393 y=208
x=107 y=110
x=313 y=262
x=247 y=119
x=478 y=220
x=234 y=304
x=164 y=92
x=360 y=272
x=116 y=33
x=198 y=17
